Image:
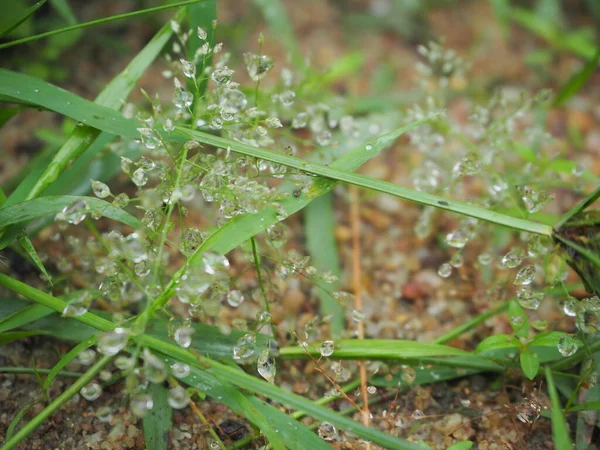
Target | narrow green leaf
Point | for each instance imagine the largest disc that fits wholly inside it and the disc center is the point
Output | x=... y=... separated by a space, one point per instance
x=374 y=349
x=157 y=421
x=10 y=336
x=530 y=363
x=586 y=406
x=560 y=431
x=97 y=22
x=332 y=173
x=30 y=249
x=464 y=445
x=17 y=419
x=498 y=341
x=13 y=21
x=64 y=9
x=44 y=206
x=577 y=81
x=22 y=317
x=322 y=247
x=66 y=359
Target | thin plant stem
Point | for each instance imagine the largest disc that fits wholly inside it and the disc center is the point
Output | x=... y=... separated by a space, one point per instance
x=594 y=195
x=206 y=423
x=72 y=390
x=96 y=22
x=358 y=303
x=33 y=371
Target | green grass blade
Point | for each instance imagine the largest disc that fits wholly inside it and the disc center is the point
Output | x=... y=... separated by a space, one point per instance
x=579 y=207
x=319 y=226
x=13 y=21
x=44 y=206
x=10 y=336
x=23 y=317
x=577 y=81
x=17 y=419
x=66 y=359
x=375 y=349
x=30 y=250
x=333 y=173
x=63 y=8
x=57 y=403
x=586 y=406
x=464 y=327
x=97 y=22
x=560 y=431
x=201 y=15
x=157 y=421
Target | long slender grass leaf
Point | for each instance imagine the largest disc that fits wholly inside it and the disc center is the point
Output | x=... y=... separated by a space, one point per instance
x=560 y=431
x=577 y=81
x=158 y=421
x=22 y=317
x=10 y=336
x=31 y=251
x=13 y=21
x=66 y=359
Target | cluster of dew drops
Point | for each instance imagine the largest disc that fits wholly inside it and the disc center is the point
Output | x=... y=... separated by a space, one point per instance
x=126 y=267
x=482 y=149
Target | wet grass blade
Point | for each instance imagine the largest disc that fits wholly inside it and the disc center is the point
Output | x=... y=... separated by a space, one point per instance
x=157 y=421
x=374 y=349
x=319 y=226
x=577 y=81
x=12 y=22
x=30 y=250
x=44 y=206
x=10 y=336
x=97 y=22
x=201 y=15
x=23 y=317
x=66 y=359
x=560 y=431
x=332 y=173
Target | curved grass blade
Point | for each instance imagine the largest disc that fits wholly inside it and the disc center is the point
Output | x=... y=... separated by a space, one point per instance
x=96 y=22
x=587 y=406
x=66 y=359
x=577 y=81
x=560 y=431
x=44 y=206
x=331 y=173
x=57 y=403
x=157 y=421
x=63 y=8
x=30 y=250
x=23 y=317
x=12 y=22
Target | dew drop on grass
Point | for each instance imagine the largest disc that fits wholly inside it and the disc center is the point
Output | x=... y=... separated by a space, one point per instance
x=525 y=275
x=183 y=335
x=512 y=259
x=201 y=33
x=571 y=306
x=139 y=177
x=100 y=189
x=79 y=305
x=188 y=68
x=273 y=122
x=567 y=346
x=140 y=404
x=327 y=431
x=300 y=120
x=369 y=148
x=417 y=414
x=124 y=363
x=73 y=213
x=539 y=324
x=266 y=365
x=104 y=414
x=372 y=390
x=91 y=391
x=121 y=200
x=485 y=259
x=142 y=268
x=517 y=321
x=112 y=342
x=178 y=398
x=456 y=260
x=529 y=299
x=329 y=277
x=323 y=138
x=245 y=347
x=87 y=357
x=154 y=369
x=235 y=298
x=182 y=98
x=445 y=270
x=180 y=370
x=357 y=316
x=277 y=235
x=222 y=76
x=257 y=65
x=326 y=348
x=457 y=239
x=264 y=318
x=149 y=138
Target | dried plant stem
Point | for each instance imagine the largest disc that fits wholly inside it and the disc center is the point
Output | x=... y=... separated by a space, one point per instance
x=358 y=303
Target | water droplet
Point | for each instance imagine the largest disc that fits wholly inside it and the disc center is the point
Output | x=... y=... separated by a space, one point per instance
x=327 y=431
x=139 y=177
x=245 y=347
x=277 y=235
x=180 y=370
x=539 y=324
x=154 y=369
x=124 y=363
x=485 y=259
x=571 y=307
x=121 y=200
x=445 y=270
x=323 y=138
x=142 y=268
x=91 y=391
x=567 y=346
x=512 y=259
x=329 y=277
x=525 y=275
x=188 y=68
x=112 y=342
x=529 y=299
x=326 y=348
x=418 y=414
x=73 y=213
x=372 y=390
x=104 y=414
x=257 y=65
x=300 y=120
x=456 y=260
x=149 y=138
x=183 y=335
x=369 y=148
x=222 y=76
x=100 y=189
x=457 y=239
x=235 y=298
x=178 y=398
x=87 y=357
x=517 y=321
x=201 y=33
x=287 y=98
x=273 y=122
x=266 y=365
x=535 y=200
x=79 y=305
x=140 y=404
x=357 y=316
